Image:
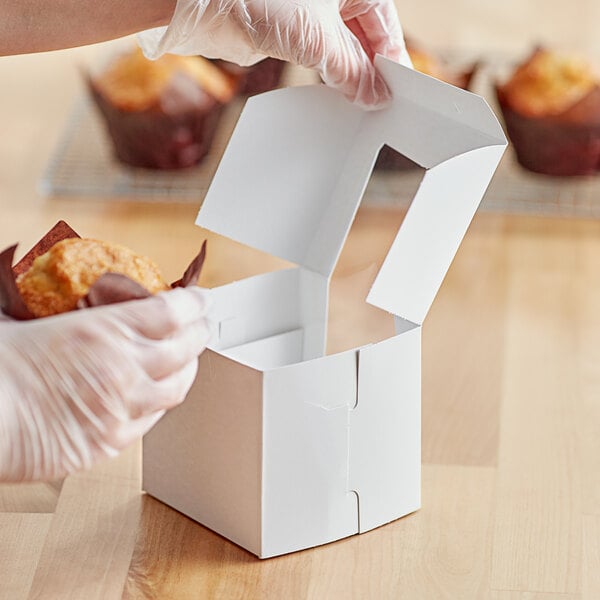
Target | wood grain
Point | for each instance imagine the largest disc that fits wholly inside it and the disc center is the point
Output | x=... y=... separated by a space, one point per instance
x=539 y=499
x=21 y=539
x=509 y=528
x=517 y=595
x=176 y=558
x=460 y=394
x=91 y=536
x=591 y=557
x=588 y=375
x=29 y=497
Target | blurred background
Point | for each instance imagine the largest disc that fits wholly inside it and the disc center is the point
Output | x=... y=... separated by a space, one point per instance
x=39 y=91
x=41 y=110
x=510 y=28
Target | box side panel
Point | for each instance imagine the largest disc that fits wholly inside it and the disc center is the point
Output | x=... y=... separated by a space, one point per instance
x=257 y=307
x=204 y=457
x=305 y=460
x=385 y=430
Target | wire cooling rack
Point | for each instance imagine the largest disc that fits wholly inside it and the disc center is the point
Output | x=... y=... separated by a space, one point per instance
x=82 y=165
x=512 y=190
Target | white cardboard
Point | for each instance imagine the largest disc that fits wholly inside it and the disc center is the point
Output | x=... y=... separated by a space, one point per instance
x=277 y=446
x=385 y=436
x=205 y=459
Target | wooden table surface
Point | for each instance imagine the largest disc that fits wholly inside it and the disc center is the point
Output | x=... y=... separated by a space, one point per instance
x=511 y=411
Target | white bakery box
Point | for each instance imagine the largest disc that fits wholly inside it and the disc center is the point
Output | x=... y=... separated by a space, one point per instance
x=277 y=446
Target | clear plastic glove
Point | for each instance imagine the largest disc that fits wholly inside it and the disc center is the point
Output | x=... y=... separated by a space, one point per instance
x=81 y=386
x=338 y=38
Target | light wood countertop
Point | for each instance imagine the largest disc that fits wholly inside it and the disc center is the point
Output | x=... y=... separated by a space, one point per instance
x=511 y=411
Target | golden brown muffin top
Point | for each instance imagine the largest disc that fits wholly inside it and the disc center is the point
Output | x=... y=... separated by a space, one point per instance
x=58 y=279
x=548 y=83
x=134 y=83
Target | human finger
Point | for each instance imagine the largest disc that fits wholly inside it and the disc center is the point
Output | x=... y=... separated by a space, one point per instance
x=166 y=313
x=379 y=22
x=347 y=67
x=161 y=358
x=150 y=395
x=129 y=431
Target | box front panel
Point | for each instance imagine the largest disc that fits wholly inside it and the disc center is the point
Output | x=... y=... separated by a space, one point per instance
x=203 y=458
x=306 y=501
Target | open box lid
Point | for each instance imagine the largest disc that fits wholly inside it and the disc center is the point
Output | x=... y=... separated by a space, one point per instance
x=299 y=160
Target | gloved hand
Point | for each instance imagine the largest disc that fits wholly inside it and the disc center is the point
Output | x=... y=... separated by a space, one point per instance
x=83 y=385
x=339 y=38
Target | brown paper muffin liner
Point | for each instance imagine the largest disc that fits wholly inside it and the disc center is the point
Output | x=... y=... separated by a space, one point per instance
x=256 y=79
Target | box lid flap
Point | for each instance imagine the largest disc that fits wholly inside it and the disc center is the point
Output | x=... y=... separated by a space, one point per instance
x=299 y=160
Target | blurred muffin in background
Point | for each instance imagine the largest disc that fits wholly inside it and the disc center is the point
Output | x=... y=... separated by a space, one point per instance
x=161 y=114
x=551 y=107
x=433 y=65
x=430 y=64
x=256 y=79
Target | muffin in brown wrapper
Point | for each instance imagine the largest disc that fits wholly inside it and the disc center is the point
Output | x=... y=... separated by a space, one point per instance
x=262 y=77
x=164 y=115
x=64 y=272
x=155 y=139
x=551 y=145
x=430 y=64
x=551 y=108
x=256 y=79
x=61 y=277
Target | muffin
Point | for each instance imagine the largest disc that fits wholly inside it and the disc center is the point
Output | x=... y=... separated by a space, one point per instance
x=551 y=107
x=256 y=79
x=60 y=278
x=161 y=114
x=430 y=64
x=64 y=272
